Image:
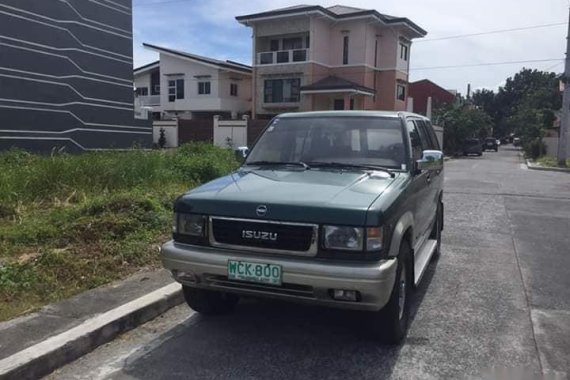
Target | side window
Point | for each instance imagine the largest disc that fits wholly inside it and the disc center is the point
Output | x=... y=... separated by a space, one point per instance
x=431 y=132
x=415 y=140
x=424 y=135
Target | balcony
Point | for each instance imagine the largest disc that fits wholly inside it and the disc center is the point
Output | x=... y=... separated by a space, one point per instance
x=149 y=100
x=282 y=56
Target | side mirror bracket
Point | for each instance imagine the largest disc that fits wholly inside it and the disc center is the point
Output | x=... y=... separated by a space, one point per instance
x=431 y=160
x=241 y=153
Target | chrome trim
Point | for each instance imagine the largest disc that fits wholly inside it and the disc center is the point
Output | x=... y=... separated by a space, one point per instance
x=311 y=252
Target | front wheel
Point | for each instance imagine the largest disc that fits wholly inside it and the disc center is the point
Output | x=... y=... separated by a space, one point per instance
x=209 y=302
x=390 y=324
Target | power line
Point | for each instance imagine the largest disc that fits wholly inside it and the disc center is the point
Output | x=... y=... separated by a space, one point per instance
x=555 y=65
x=484 y=64
x=493 y=32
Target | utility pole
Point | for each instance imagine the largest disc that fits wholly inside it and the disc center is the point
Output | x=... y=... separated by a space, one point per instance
x=564 y=124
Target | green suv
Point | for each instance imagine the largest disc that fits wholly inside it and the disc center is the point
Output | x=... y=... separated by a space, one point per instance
x=340 y=209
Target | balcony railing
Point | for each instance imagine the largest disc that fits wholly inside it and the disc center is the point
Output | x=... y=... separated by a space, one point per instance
x=282 y=56
x=149 y=100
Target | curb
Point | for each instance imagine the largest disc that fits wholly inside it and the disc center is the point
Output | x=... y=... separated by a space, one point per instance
x=533 y=166
x=45 y=357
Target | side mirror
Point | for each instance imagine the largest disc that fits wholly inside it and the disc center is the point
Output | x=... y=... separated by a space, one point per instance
x=241 y=153
x=431 y=160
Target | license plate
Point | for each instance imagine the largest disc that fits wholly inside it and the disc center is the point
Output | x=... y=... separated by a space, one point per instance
x=254 y=272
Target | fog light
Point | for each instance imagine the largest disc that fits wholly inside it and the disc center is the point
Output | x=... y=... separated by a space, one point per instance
x=345 y=295
x=184 y=276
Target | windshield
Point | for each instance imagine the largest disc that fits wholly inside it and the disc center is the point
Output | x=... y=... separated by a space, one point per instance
x=349 y=140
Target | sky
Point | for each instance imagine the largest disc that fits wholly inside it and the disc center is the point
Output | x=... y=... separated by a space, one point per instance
x=209 y=28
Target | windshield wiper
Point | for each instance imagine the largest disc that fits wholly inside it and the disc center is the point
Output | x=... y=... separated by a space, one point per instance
x=271 y=163
x=352 y=166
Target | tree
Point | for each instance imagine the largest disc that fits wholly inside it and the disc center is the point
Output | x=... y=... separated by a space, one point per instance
x=162 y=138
x=461 y=122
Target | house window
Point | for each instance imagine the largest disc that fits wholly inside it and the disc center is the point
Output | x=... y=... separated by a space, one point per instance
x=203 y=88
x=274 y=45
x=404 y=51
x=338 y=104
x=292 y=43
x=282 y=90
x=141 y=91
x=400 y=92
x=175 y=89
x=345 y=51
x=233 y=89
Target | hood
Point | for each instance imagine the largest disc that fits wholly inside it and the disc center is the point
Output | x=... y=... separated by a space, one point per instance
x=315 y=196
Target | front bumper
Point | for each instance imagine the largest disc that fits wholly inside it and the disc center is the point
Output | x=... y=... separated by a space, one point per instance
x=303 y=280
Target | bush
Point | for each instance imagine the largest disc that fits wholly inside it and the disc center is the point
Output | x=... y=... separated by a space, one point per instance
x=535 y=148
x=69 y=178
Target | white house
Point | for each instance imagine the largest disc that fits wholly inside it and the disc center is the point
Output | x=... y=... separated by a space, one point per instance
x=190 y=86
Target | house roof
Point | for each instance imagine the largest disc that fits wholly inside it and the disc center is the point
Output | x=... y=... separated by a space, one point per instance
x=336 y=12
x=343 y=9
x=226 y=65
x=149 y=66
x=334 y=83
x=412 y=84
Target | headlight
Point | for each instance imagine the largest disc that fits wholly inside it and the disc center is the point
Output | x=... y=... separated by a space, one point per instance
x=344 y=238
x=191 y=225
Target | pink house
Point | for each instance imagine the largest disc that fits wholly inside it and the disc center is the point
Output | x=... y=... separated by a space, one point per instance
x=315 y=58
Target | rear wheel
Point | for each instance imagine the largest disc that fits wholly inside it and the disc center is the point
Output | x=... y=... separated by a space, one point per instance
x=390 y=324
x=209 y=302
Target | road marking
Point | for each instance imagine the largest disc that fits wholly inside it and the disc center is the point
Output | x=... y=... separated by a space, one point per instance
x=57 y=342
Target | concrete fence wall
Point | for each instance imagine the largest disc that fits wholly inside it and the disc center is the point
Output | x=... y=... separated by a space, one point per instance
x=551 y=145
x=230 y=132
x=439 y=133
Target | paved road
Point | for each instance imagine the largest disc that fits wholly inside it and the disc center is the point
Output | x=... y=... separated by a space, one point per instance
x=499 y=298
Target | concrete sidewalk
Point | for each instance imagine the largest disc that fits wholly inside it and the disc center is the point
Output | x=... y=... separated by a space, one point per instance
x=34 y=345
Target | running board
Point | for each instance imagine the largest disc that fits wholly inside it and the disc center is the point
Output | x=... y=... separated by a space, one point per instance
x=422 y=258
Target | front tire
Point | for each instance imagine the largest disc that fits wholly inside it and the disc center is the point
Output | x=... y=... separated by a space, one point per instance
x=390 y=324
x=209 y=302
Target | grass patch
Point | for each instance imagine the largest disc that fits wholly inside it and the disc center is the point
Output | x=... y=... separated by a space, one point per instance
x=551 y=162
x=74 y=222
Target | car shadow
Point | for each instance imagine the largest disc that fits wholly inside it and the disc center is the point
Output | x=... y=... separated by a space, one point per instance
x=469 y=157
x=277 y=340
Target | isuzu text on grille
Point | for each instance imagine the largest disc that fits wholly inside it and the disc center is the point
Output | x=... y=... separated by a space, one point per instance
x=259 y=235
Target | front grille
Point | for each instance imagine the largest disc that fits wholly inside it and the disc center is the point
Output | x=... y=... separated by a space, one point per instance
x=264 y=235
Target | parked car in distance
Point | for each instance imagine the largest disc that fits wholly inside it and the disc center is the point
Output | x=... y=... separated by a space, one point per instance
x=340 y=209
x=491 y=144
x=516 y=141
x=472 y=146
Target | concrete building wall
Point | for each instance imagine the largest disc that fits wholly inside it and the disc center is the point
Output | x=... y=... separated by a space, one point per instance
x=67 y=76
x=219 y=98
x=420 y=91
x=320 y=49
x=288 y=25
